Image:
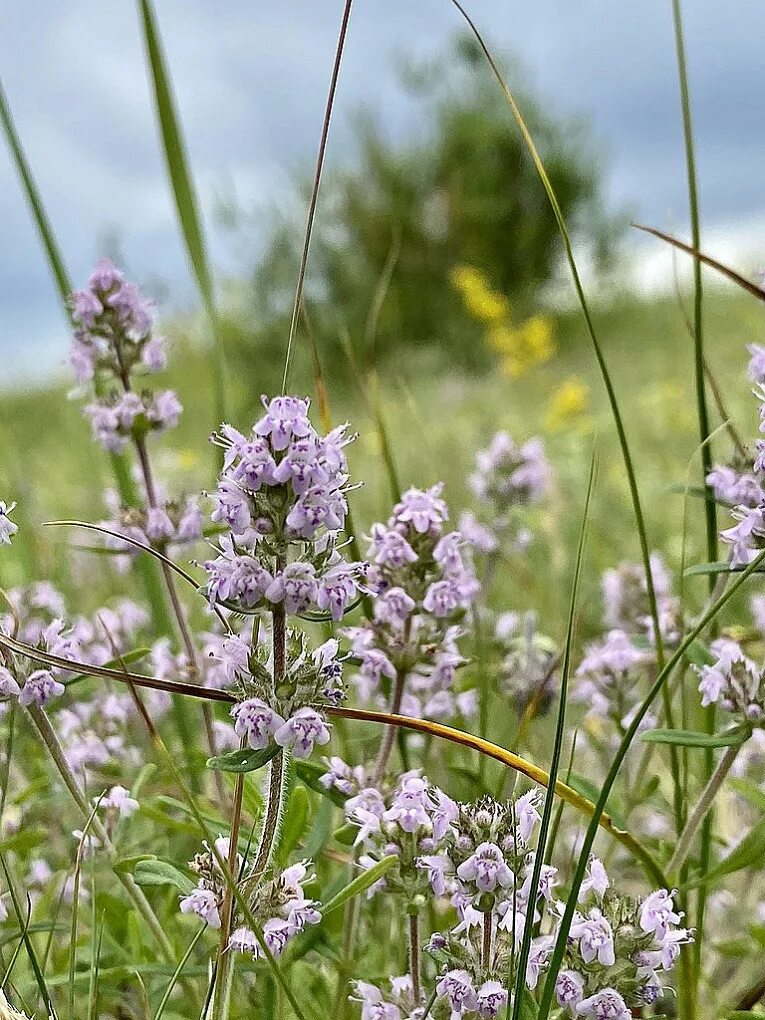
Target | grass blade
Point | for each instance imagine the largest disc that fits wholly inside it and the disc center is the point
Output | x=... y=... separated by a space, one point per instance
x=48 y=238
x=315 y=189
x=547 y=810
x=174 y=979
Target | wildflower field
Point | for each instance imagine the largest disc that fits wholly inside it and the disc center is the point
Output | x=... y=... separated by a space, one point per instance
x=426 y=685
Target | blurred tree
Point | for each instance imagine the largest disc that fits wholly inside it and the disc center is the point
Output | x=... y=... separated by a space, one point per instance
x=393 y=226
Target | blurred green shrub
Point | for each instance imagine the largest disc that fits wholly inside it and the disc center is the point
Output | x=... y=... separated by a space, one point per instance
x=396 y=223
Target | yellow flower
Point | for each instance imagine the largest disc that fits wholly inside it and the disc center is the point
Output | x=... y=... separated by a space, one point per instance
x=481 y=301
x=570 y=401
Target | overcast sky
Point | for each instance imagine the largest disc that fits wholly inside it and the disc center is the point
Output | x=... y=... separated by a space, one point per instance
x=251 y=80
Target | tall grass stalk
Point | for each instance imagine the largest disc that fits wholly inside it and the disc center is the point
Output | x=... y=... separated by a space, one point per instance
x=706 y=452
x=677 y=657
x=560 y=730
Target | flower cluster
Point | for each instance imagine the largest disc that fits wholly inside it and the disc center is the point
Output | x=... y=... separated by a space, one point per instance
x=509 y=478
x=529 y=662
x=289 y=716
x=734 y=682
x=113 y=339
x=282 y=491
x=170 y=523
x=397 y=1004
x=422 y=587
x=485 y=866
x=7 y=528
x=607 y=673
x=739 y=484
x=410 y=820
x=93 y=731
x=626 y=604
x=617 y=950
x=279 y=905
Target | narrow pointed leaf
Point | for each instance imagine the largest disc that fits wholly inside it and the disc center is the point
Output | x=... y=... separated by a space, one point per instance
x=693 y=738
x=361 y=883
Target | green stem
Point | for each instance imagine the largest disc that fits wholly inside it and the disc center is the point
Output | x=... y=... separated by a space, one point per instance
x=703 y=416
x=224 y=971
x=702 y=808
x=390 y=733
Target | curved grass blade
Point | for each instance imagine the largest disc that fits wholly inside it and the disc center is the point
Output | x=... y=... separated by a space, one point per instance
x=547 y=810
x=184 y=193
x=579 y=288
x=315 y=189
x=52 y=252
x=710 y=509
x=174 y=979
x=360 y=883
x=619 y=756
x=720 y=267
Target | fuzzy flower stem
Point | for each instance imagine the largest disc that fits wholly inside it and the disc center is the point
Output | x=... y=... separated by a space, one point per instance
x=414 y=955
x=71 y=782
x=488 y=922
x=702 y=808
x=277 y=772
x=390 y=733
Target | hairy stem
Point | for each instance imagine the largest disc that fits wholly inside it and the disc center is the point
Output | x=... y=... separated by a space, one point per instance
x=414 y=956
x=277 y=772
x=702 y=808
x=488 y=924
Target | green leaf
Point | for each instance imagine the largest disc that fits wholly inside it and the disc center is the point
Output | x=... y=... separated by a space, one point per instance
x=310 y=773
x=720 y=567
x=751 y=791
x=747 y=854
x=346 y=834
x=361 y=883
x=529 y=1009
x=243 y=760
x=698 y=654
x=691 y=738
x=156 y=872
x=124 y=660
x=127 y=865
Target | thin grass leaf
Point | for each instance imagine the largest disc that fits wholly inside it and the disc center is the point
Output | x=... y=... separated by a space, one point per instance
x=27 y=941
x=726 y=271
x=746 y=854
x=184 y=192
x=547 y=810
x=297 y=304
x=28 y=183
x=692 y=738
x=360 y=884
x=174 y=979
